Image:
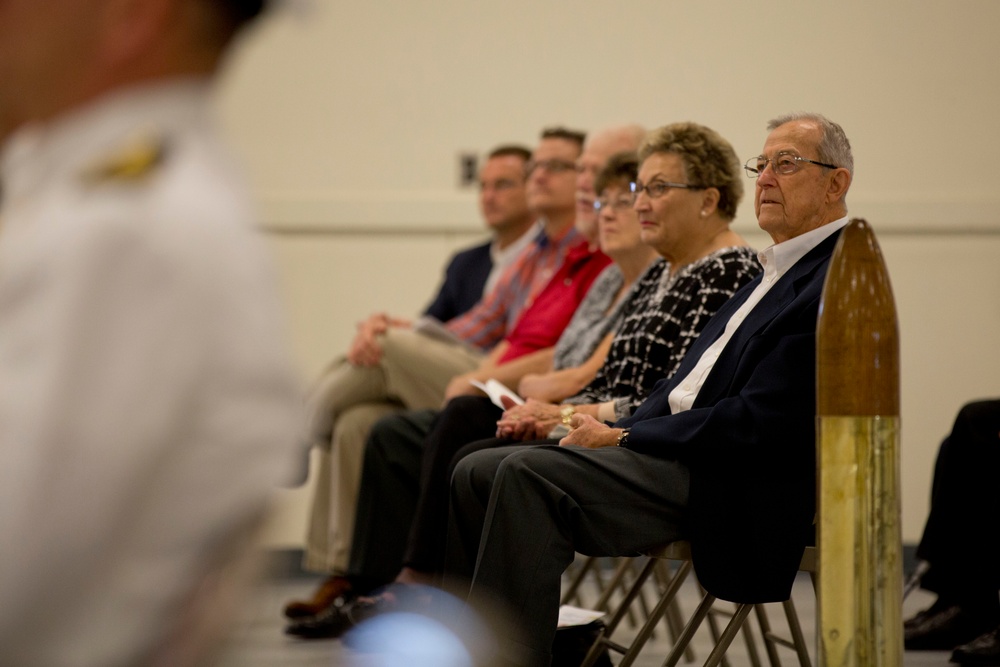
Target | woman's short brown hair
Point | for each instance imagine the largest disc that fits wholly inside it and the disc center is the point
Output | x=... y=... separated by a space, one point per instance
x=709 y=160
x=621 y=169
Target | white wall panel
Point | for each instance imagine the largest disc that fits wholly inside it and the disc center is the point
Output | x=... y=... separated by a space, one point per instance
x=351 y=118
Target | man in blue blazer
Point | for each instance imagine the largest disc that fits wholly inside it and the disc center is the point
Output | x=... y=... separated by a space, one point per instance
x=722 y=454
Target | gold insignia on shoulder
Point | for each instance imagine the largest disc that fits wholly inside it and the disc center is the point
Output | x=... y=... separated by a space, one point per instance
x=132 y=161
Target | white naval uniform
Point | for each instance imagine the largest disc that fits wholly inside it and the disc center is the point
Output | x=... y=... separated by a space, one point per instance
x=147 y=399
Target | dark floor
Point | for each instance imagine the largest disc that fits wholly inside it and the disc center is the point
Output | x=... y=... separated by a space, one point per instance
x=259 y=640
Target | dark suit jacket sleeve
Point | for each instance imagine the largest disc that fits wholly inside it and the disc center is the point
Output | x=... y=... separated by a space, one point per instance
x=749 y=440
x=772 y=388
x=762 y=386
x=752 y=457
x=464 y=280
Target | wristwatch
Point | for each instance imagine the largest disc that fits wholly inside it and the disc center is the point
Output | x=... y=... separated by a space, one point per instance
x=567 y=412
x=622 y=438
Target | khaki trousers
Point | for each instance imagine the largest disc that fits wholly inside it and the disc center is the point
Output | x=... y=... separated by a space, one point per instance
x=413 y=374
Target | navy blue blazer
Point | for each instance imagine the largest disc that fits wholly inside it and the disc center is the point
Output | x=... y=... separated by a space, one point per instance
x=749 y=440
x=464 y=280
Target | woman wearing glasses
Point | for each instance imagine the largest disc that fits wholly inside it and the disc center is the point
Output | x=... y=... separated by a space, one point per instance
x=685 y=197
x=578 y=355
x=688 y=187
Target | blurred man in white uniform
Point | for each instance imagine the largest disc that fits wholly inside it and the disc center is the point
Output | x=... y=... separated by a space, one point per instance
x=147 y=401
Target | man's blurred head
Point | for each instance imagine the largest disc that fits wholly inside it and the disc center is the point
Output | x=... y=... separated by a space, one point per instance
x=59 y=54
x=552 y=173
x=600 y=146
x=502 y=188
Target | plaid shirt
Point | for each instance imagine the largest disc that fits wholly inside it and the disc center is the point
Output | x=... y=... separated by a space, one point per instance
x=493 y=318
x=543 y=320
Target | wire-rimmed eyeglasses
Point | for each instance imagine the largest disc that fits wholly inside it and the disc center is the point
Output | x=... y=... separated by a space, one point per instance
x=622 y=202
x=553 y=166
x=657 y=189
x=784 y=164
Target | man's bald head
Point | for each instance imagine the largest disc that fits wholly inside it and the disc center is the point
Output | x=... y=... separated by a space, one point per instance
x=598 y=148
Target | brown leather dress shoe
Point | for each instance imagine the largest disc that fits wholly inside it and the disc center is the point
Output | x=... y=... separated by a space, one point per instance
x=336 y=620
x=332 y=589
x=984 y=651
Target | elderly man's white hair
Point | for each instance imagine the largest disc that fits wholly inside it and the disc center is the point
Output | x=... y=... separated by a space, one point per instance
x=834 y=148
x=631 y=133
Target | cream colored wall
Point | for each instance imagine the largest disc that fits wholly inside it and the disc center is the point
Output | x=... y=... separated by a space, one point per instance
x=351 y=117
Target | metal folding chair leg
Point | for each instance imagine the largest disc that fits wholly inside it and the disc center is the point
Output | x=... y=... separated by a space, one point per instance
x=617 y=582
x=682 y=640
x=723 y=640
x=797 y=641
x=687 y=634
x=673 y=617
x=605 y=590
x=666 y=601
x=571 y=595
x=642 y=604
x=738 y=624
x=748 y=639
x=632 y=650
x=728 y=635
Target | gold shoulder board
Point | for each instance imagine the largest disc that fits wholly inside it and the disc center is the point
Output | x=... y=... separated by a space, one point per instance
x=132 y=161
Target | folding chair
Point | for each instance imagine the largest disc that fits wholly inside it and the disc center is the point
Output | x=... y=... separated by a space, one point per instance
x=797 y=642
x=577 y=573
x=681 y=551
x=606 y=590
x=739 y=617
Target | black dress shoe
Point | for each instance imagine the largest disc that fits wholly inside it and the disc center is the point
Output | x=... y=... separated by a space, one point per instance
x=982 y=651
x=918 y=618
x=945 y=630
x=328 y=624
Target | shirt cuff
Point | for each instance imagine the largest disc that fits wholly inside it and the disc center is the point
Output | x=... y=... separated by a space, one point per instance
x=606 y=412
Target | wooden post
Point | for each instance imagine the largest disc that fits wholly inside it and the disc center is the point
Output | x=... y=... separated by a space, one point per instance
x=859 y=615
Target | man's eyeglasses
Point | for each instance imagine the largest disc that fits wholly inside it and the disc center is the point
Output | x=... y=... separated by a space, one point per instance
x=784 y=164
x=553 y=166
x=619 y=203
x=500 y=185
x=657 y=189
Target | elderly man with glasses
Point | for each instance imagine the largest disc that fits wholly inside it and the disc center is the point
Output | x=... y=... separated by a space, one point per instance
x=722 y=454
x=516 y=326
